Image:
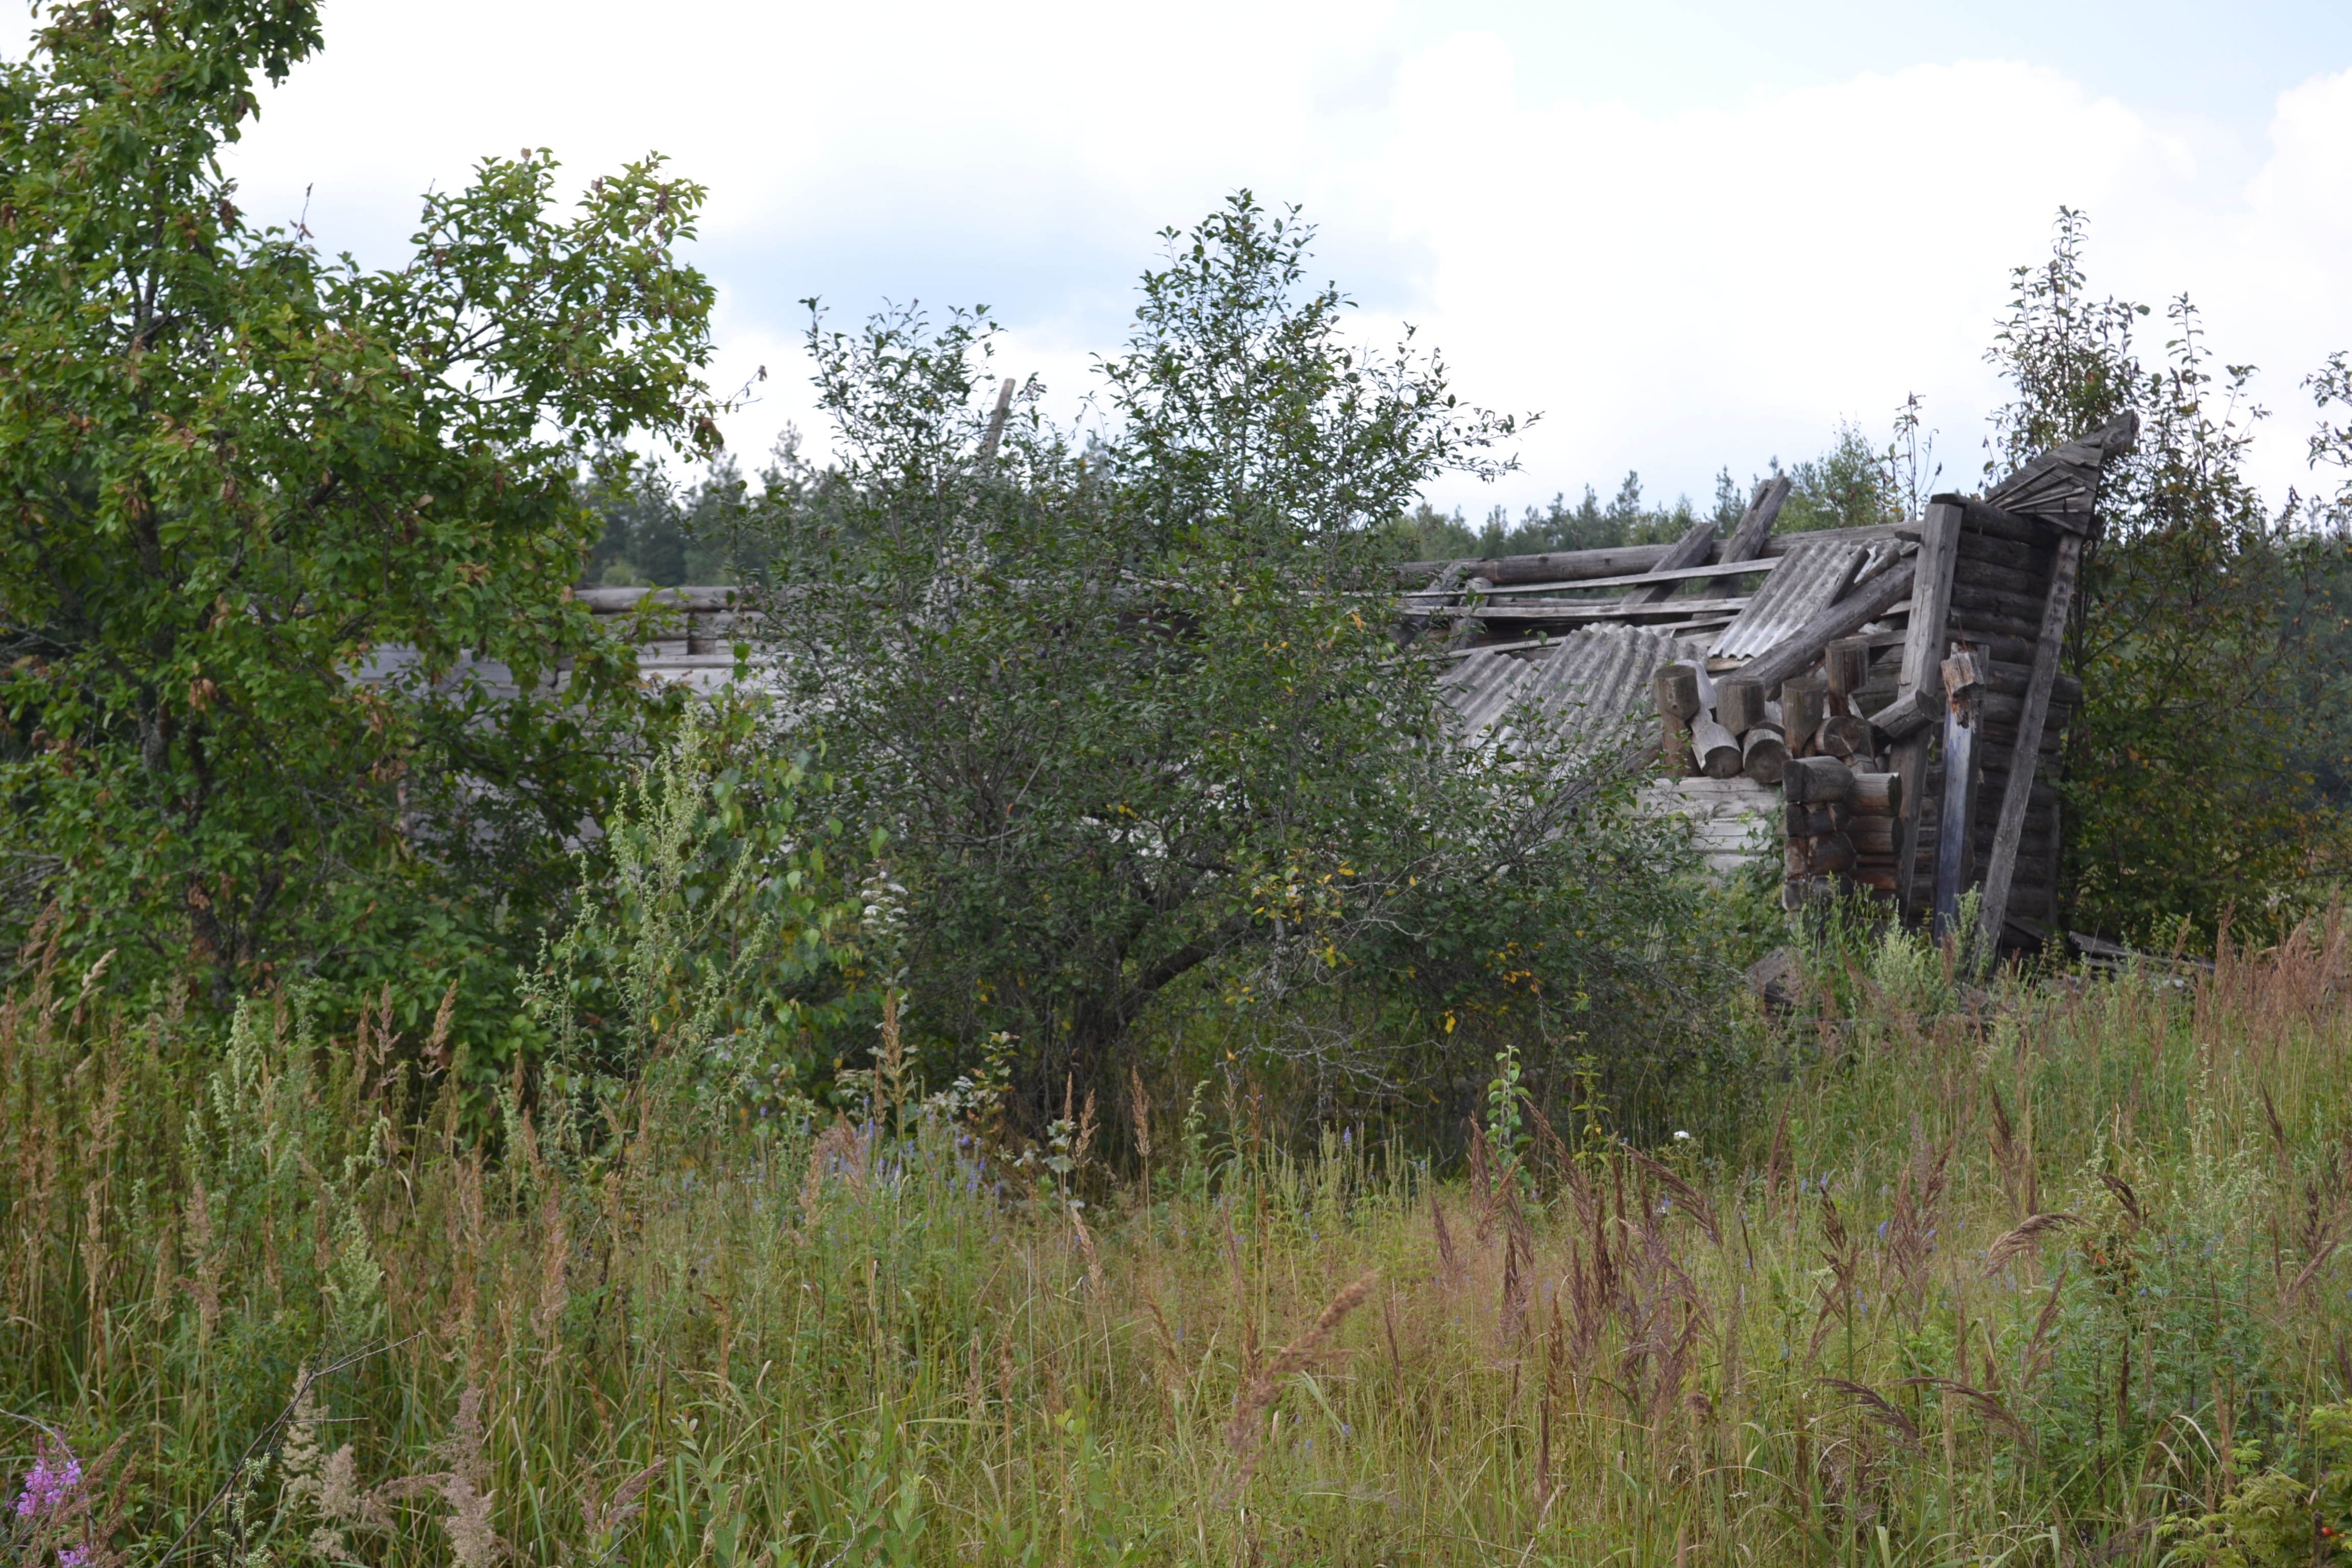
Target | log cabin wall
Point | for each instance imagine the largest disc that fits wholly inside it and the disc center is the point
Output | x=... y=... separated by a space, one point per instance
x=1883 y=681
x=2001 y=567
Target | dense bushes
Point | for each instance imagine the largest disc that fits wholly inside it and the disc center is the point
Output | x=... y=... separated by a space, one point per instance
x=239 y=475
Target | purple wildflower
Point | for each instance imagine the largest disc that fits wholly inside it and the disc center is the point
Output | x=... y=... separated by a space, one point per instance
x=52 y=1483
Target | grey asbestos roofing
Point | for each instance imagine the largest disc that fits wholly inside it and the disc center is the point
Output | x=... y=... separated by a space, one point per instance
x=1814 y=575
x=1580 y=688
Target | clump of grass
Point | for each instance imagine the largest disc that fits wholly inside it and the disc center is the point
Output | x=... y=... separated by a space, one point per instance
x=2042 y=1274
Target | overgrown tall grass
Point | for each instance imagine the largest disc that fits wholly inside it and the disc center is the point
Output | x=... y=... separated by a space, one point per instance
x=1949 y=1277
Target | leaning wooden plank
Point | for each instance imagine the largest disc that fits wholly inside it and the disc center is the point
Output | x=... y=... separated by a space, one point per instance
x=1845 y=617
x=2003 y=864
x=1693 y=548
x=1746 y=540
x=1922 y=651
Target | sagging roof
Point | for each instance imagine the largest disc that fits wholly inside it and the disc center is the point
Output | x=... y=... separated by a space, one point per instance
x=1814 y=575
x=1581 y=685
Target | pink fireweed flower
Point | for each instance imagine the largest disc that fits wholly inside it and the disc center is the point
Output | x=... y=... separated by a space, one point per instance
x=52 y=1483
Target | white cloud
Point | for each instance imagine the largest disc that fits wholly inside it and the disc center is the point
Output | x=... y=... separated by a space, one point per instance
x=1674 y=289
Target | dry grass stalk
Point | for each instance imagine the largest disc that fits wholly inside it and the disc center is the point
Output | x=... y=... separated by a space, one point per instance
x=605 y=1514
x=1888 y=1415
x=1697 y=1207
x=1987 y=1403
x=837 y=1148
x=472 y=1541
x=555 y=1270
x=1482 y=1182
x=204 y=1260
x=1918 y=1215
x=1449 y=1263
x=2011 y=1157
x=1244 y=1434
x=1087 y=1248
x=1139 y=1105
x=2023 y=1238
x=1776 y=1163
x=1170 y=1376
x=1242 y=1305
x=1519 y=1273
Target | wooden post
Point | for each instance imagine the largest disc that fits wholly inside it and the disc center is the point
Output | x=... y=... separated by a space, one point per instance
x=1846 y=664
x=1717 y=752
x=2027 y=754
x=1923 y=650
x=1676 y=686
x=1746 y=540
x=1692 y=549
x=1738 y=705
x=1803 y=701
x=1764 y=756
x=986 y=463
x=1956 y=823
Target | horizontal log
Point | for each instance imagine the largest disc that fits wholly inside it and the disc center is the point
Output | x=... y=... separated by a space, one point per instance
x=1992 y=643
x=1812 y=821
x=1997 y=739
x=1875 y=795
x=2031 y=873
x=1829 y=853
x=1874 y=837
x=1625 y=560
x=1817 y=781
x=1976 y=517
x=2024 y=609
x=1989 y=631
x=1665 y=575
x=2033 y=559
x=2003 y=678
x=1843 y=735
x=1552 y=612
x=2002 y=579
x=2037 y=837
x=1908 y=716
x=1998 y=708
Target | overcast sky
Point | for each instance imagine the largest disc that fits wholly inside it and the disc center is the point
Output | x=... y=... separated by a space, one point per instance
x=1690 y=235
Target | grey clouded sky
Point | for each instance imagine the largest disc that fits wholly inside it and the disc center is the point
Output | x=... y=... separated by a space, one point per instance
x=1691 y=235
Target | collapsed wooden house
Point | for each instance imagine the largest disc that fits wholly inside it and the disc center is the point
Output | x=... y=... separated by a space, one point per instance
x=1860 y=709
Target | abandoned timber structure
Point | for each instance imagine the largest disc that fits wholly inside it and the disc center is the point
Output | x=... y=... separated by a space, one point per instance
x=1869 y=698
x=1852 y=699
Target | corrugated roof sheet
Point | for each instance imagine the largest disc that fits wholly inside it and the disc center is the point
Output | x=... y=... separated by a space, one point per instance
x=1814 y=575
x=1811 y=576
x=1583 y=685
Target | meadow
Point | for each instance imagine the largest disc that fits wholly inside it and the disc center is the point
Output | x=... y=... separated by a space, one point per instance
x=2046 y=1273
